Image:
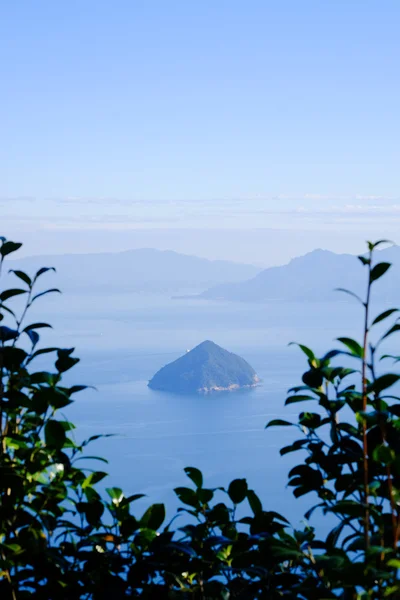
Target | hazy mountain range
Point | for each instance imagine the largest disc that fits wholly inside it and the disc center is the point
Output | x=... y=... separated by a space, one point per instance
x=313 y=276
x=143 y=270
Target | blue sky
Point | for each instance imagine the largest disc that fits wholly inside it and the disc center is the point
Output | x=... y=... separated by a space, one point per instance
x=230 y=114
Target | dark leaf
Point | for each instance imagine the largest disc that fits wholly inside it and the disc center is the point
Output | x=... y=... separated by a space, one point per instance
x=384 y=315
x=79 y=388
x=54 y=434
x=364 y=260
x=37 y=326
x=373 y=245
x=350 y=293
x=187 y=496
x=11 y=293
x=154 y=517
x=40 y=352
x=310 y=420
x=23 y=276
x=195 y=475
x=379 y=270
x=237 y=490
x=9 y=247
x=383 y=382
x=394 y=329
x=65 y=361
x=254 y=501
x=277 y=422
x=313 y=378
x=132 y=498
x=33 y=336
x=7 y=334
x=298 y=398
x=13 y=357
x=52 y=291
x=43 y=270
x=183 y=548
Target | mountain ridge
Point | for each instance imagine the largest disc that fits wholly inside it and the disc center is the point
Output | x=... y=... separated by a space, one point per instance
x=143 y=269
x=312 y=276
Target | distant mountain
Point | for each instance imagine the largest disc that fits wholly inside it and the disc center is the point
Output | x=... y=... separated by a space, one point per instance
x=313 y=277
x=206 y=368
x=145 y=270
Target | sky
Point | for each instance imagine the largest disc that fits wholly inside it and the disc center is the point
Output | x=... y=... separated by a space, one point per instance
x=253 y=130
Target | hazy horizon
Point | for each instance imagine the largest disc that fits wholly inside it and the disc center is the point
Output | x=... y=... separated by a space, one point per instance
x=225 y=131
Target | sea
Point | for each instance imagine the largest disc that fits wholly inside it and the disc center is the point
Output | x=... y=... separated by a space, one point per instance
x=123 y=339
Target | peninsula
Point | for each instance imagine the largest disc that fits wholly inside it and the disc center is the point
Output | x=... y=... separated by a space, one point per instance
x=205 y=369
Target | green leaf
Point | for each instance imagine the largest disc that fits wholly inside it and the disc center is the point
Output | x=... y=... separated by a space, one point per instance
x=23 y=276
x=383 y=382
x=115 y=494
x=237 y=490
x=394 y=562
x=373 y=245
x=278 y=422
x=195 y=475
x=383 y=454
x=54 y=434
x=353 y=346
x=384 y=315
x=93 y=478
x=309 y=353
x=154 y=517
x=9 y=247
x=379 y=270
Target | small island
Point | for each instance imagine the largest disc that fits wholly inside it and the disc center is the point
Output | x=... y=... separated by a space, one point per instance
x=205 y=369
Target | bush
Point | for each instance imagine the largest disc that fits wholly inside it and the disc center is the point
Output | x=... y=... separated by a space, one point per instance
x=61 y=539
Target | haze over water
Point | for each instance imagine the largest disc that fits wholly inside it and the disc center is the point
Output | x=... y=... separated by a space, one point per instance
x=124 y=339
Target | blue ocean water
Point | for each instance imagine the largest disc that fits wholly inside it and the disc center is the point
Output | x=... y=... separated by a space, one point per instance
x=124 y=339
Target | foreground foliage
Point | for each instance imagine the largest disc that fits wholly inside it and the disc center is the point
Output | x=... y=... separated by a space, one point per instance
x=60 y=538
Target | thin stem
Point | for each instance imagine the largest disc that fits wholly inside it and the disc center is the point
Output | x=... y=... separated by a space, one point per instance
x=393 y=507
x=364 y=404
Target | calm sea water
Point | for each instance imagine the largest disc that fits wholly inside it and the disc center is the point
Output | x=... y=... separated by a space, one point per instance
x=124 y=339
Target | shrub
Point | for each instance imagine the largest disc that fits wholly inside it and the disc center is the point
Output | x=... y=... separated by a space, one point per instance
x=60 y=538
